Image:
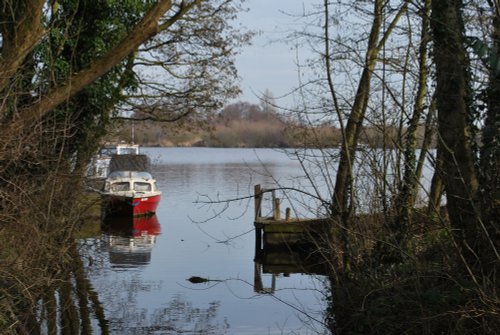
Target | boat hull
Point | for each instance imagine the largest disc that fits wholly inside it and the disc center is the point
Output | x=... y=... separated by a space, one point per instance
x=130 y=206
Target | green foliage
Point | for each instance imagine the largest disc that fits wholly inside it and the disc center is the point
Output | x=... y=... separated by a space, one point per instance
x=80 y=32
x=485 y=53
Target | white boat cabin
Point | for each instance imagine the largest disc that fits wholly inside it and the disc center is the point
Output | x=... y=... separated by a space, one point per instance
x=122 y=182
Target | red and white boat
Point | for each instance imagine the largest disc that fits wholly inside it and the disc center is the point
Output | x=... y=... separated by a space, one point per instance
x=130 y=193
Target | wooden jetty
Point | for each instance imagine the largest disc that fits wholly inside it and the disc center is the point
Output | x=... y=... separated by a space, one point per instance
x=285 y=245
x=276 y=231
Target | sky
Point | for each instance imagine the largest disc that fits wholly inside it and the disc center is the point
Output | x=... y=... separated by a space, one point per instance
x=268 y=64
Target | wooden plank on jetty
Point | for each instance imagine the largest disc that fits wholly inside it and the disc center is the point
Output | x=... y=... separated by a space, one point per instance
x=271 y=225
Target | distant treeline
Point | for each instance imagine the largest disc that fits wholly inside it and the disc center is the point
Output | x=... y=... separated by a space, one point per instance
x=245 y=125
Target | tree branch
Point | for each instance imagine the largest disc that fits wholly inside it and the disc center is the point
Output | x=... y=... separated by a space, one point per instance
x=148 y=27
x=21 y=31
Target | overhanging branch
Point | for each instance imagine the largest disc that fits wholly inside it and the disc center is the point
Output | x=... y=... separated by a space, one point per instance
x=148 y=27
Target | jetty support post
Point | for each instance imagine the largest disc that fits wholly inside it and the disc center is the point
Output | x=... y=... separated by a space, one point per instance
x=258 y=195
x=258 y=201
x=276 y=208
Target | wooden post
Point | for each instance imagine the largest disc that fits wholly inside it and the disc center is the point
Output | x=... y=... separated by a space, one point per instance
x=258 y=201
x=276 y=207
x=287 y=214
x=258 y=214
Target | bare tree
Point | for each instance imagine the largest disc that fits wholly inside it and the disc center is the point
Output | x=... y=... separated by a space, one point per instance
x=393 y=91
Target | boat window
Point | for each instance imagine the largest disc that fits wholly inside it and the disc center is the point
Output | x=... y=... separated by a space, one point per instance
x=123 y=186
x=142 y=187
x=128 y=151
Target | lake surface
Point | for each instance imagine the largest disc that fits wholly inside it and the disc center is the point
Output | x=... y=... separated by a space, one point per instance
x=141 y=278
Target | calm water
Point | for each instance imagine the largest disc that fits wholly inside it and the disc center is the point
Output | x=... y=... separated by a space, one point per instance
x=142 y=280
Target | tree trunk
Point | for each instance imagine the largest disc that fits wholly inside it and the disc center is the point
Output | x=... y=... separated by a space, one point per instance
x=342 y=191
x=436 y=190
x=22 y=30
x=341 y=194
x=429 y=134
x=453 y=99
x=343 y=184
x=490 y=155
x=411 y=175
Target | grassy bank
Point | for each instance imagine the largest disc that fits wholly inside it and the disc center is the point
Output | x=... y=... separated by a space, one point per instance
x=270 y=133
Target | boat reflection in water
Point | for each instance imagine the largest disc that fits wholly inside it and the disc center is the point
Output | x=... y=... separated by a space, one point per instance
x=130 y=240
